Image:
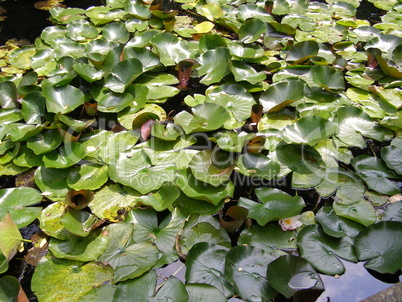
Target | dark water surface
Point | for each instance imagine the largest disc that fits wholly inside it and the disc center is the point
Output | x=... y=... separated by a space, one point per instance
x=25 y=22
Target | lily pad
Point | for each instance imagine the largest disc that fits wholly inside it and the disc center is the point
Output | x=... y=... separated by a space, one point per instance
x=80 y=248
x=280 y=95
x=63 y=99
x=246 y=268
x=87 y=177
x=113 y=201
x=322 y=251
x=206 y=117
x=375 y=174
x=205 y=264
x=214 y=65
x=49 y=281
x=127 y=258
x=199 y=190
x=353 y=123
x=173 y=289
x=52 y=182
x=202 y=228
x=50 y=221
x=11 y=237
x=234 y=97
x=302 y=159
x=205 y=169
x=361 y=212
x=335 y=225
x=309 y=130
x=16 y=201
x=349 y=188
x=123 y=74
x=270 y=237
x=202 y=292
x=380 y=245
x=392 y=156
x=275 y=204
x=163 y=234
x=291 y=276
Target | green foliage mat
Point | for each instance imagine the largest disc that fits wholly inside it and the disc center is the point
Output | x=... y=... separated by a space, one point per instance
x=141 y=132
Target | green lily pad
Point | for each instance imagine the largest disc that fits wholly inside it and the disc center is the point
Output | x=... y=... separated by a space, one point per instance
x=112 y=146
x=8 y=97
x=87 y=177
x=44 y=142
x=380 y=245
x=203 y=292
x=392 y=155
x=375 y=174
x=116 y=32
x=162 y=234
x=173 y=289
x=9 y=288
x=275 y=204
x=171 y=50
x=78 y=222
x=251 y=30
x=205 y=264
x=293 y=276
x=231 y=141
x=148 y=59
x=65 y=157
x=353 y=123
x=50 y=221
x=113 y=201
x=141 y=287
x=302 y=51
x=328 y=77
x=392 y=212
x=199 y=228
x=244 y=72
x=234 y=97
x=33 y=107
x=204 y=167
x=322 y=251
x=134 y=170
x=162 y=199
x=80 y=248
x=302 y=159
x=257 y=165
x=246 y=268
x=11 y=237
x=214 y=65
x=361 y=212
x=309 y=130
x=280 y=95
x=81 y=30
x=127 y=258
x=270 y=237
x=16 y=201
x=349 y=188
x=168 y=132
x=49 y=281
x=335 y=225
x=206 y=117
x=199 y=190
x=123 y=74
x=63 y=99
x=88 y=72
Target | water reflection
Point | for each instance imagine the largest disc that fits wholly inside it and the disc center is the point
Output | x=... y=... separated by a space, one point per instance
x=355 y=285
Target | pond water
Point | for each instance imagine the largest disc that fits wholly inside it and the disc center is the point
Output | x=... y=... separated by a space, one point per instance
x=356 y=284
x=353 y=286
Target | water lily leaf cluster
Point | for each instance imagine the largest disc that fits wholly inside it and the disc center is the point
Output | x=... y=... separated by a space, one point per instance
x=136 y=124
